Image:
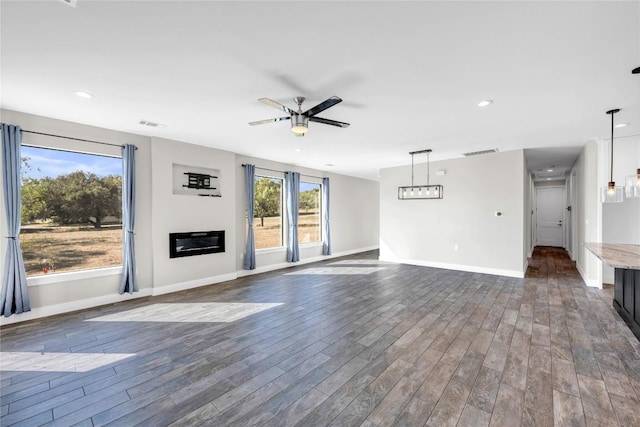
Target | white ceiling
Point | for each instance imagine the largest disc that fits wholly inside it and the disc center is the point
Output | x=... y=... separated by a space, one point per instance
x=410 y=73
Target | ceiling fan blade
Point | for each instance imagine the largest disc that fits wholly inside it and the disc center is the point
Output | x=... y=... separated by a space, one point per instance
x=322 y=106
x=329 y=122
x=276 y=105
x=261 y=122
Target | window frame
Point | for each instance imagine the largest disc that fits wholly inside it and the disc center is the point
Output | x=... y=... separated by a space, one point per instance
x=86 y=273
x=318 y=182
x=284 y=225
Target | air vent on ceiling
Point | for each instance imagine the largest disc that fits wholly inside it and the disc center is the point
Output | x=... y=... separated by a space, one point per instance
x=71 y=3
x=151 y=124
x=477 y=153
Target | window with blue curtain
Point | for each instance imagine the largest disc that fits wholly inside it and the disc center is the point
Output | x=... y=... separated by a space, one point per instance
x=14 y=294
x=249 y=189
x=128 y=282
x=326 y=229
x=292 y=189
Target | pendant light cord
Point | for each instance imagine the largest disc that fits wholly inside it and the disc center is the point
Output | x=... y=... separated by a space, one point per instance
x=412 y=170
x=427 y=168
x=611 y=169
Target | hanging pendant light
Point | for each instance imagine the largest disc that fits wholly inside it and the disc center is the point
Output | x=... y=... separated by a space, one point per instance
x=420 y=191
x=611 y=194
x=632 y=185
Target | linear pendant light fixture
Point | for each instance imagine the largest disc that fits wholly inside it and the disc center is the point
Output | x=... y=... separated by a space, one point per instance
x=420 y=191
x=611 y=194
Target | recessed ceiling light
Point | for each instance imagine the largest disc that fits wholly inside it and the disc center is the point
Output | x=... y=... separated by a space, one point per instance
x=549 y=170
x=621 y=125
x=548 y=179
x=298 y=150
x=83 y=94
x=485 y=102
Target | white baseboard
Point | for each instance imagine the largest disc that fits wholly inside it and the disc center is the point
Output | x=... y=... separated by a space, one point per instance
x=182 y=286
x=281 y=265
x=68 y=307
x=460 y=267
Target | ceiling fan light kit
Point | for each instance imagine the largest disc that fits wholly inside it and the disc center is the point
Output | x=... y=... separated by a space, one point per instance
x=420 y=192
x=299 y=119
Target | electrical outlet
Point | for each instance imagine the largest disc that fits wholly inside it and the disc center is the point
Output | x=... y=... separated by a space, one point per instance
x=456 y=247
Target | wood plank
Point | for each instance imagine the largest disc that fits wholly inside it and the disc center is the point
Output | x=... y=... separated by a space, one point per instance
x=407 y=346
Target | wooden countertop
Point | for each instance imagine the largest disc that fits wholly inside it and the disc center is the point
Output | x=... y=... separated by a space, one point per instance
x=616 y=254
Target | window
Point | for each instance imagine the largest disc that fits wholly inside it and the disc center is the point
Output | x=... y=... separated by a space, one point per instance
x=309 y=229
x=267 y=212
x=71 y=211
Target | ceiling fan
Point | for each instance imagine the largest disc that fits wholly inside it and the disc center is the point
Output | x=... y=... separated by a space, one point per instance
x=300 y=120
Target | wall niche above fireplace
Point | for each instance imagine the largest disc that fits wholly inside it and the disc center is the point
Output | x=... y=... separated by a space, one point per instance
x=195 y=243
x=196 y=181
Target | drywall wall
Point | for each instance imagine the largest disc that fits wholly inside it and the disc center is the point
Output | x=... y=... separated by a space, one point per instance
x=588 y=215
x=428 y=232
x=527 y=217
x=175 y=213
x=621 y=221
x=354 y=218
x=353 y=212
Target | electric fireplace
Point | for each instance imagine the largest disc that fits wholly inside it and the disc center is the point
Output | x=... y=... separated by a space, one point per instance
x=195 y=243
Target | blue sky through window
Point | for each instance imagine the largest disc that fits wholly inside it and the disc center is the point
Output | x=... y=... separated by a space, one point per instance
x=306 y=186
x=45 y=162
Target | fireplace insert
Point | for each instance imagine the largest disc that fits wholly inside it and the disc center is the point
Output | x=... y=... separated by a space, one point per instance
x=195 y=243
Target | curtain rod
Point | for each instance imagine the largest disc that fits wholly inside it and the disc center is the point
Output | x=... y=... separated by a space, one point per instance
x=75 y=139
x=274 y=170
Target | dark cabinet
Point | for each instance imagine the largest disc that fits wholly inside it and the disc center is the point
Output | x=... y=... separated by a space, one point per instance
x=626 y=297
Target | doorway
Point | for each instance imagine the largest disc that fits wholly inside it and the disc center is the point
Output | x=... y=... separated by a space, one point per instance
x=549 y=216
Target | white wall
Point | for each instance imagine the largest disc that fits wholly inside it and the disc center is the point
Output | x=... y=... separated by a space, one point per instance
x=621 y=221
x=527 y=214
x=425 y=231
x=176 y=213
x=588 y=215
x=354 y=218
x=353 y=212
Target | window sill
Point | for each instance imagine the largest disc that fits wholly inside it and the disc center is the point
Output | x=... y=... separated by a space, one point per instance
x=271 y=250
x=310 y=245
x=52 y=278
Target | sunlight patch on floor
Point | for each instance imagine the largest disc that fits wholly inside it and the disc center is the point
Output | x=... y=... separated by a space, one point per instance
x=188 y=312
x=57 y=362
x=337 y=270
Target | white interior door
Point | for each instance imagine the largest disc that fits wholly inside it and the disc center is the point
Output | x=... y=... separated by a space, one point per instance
x=549 y=212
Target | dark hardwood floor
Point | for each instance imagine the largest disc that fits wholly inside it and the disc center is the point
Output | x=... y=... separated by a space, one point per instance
x=347 y=342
